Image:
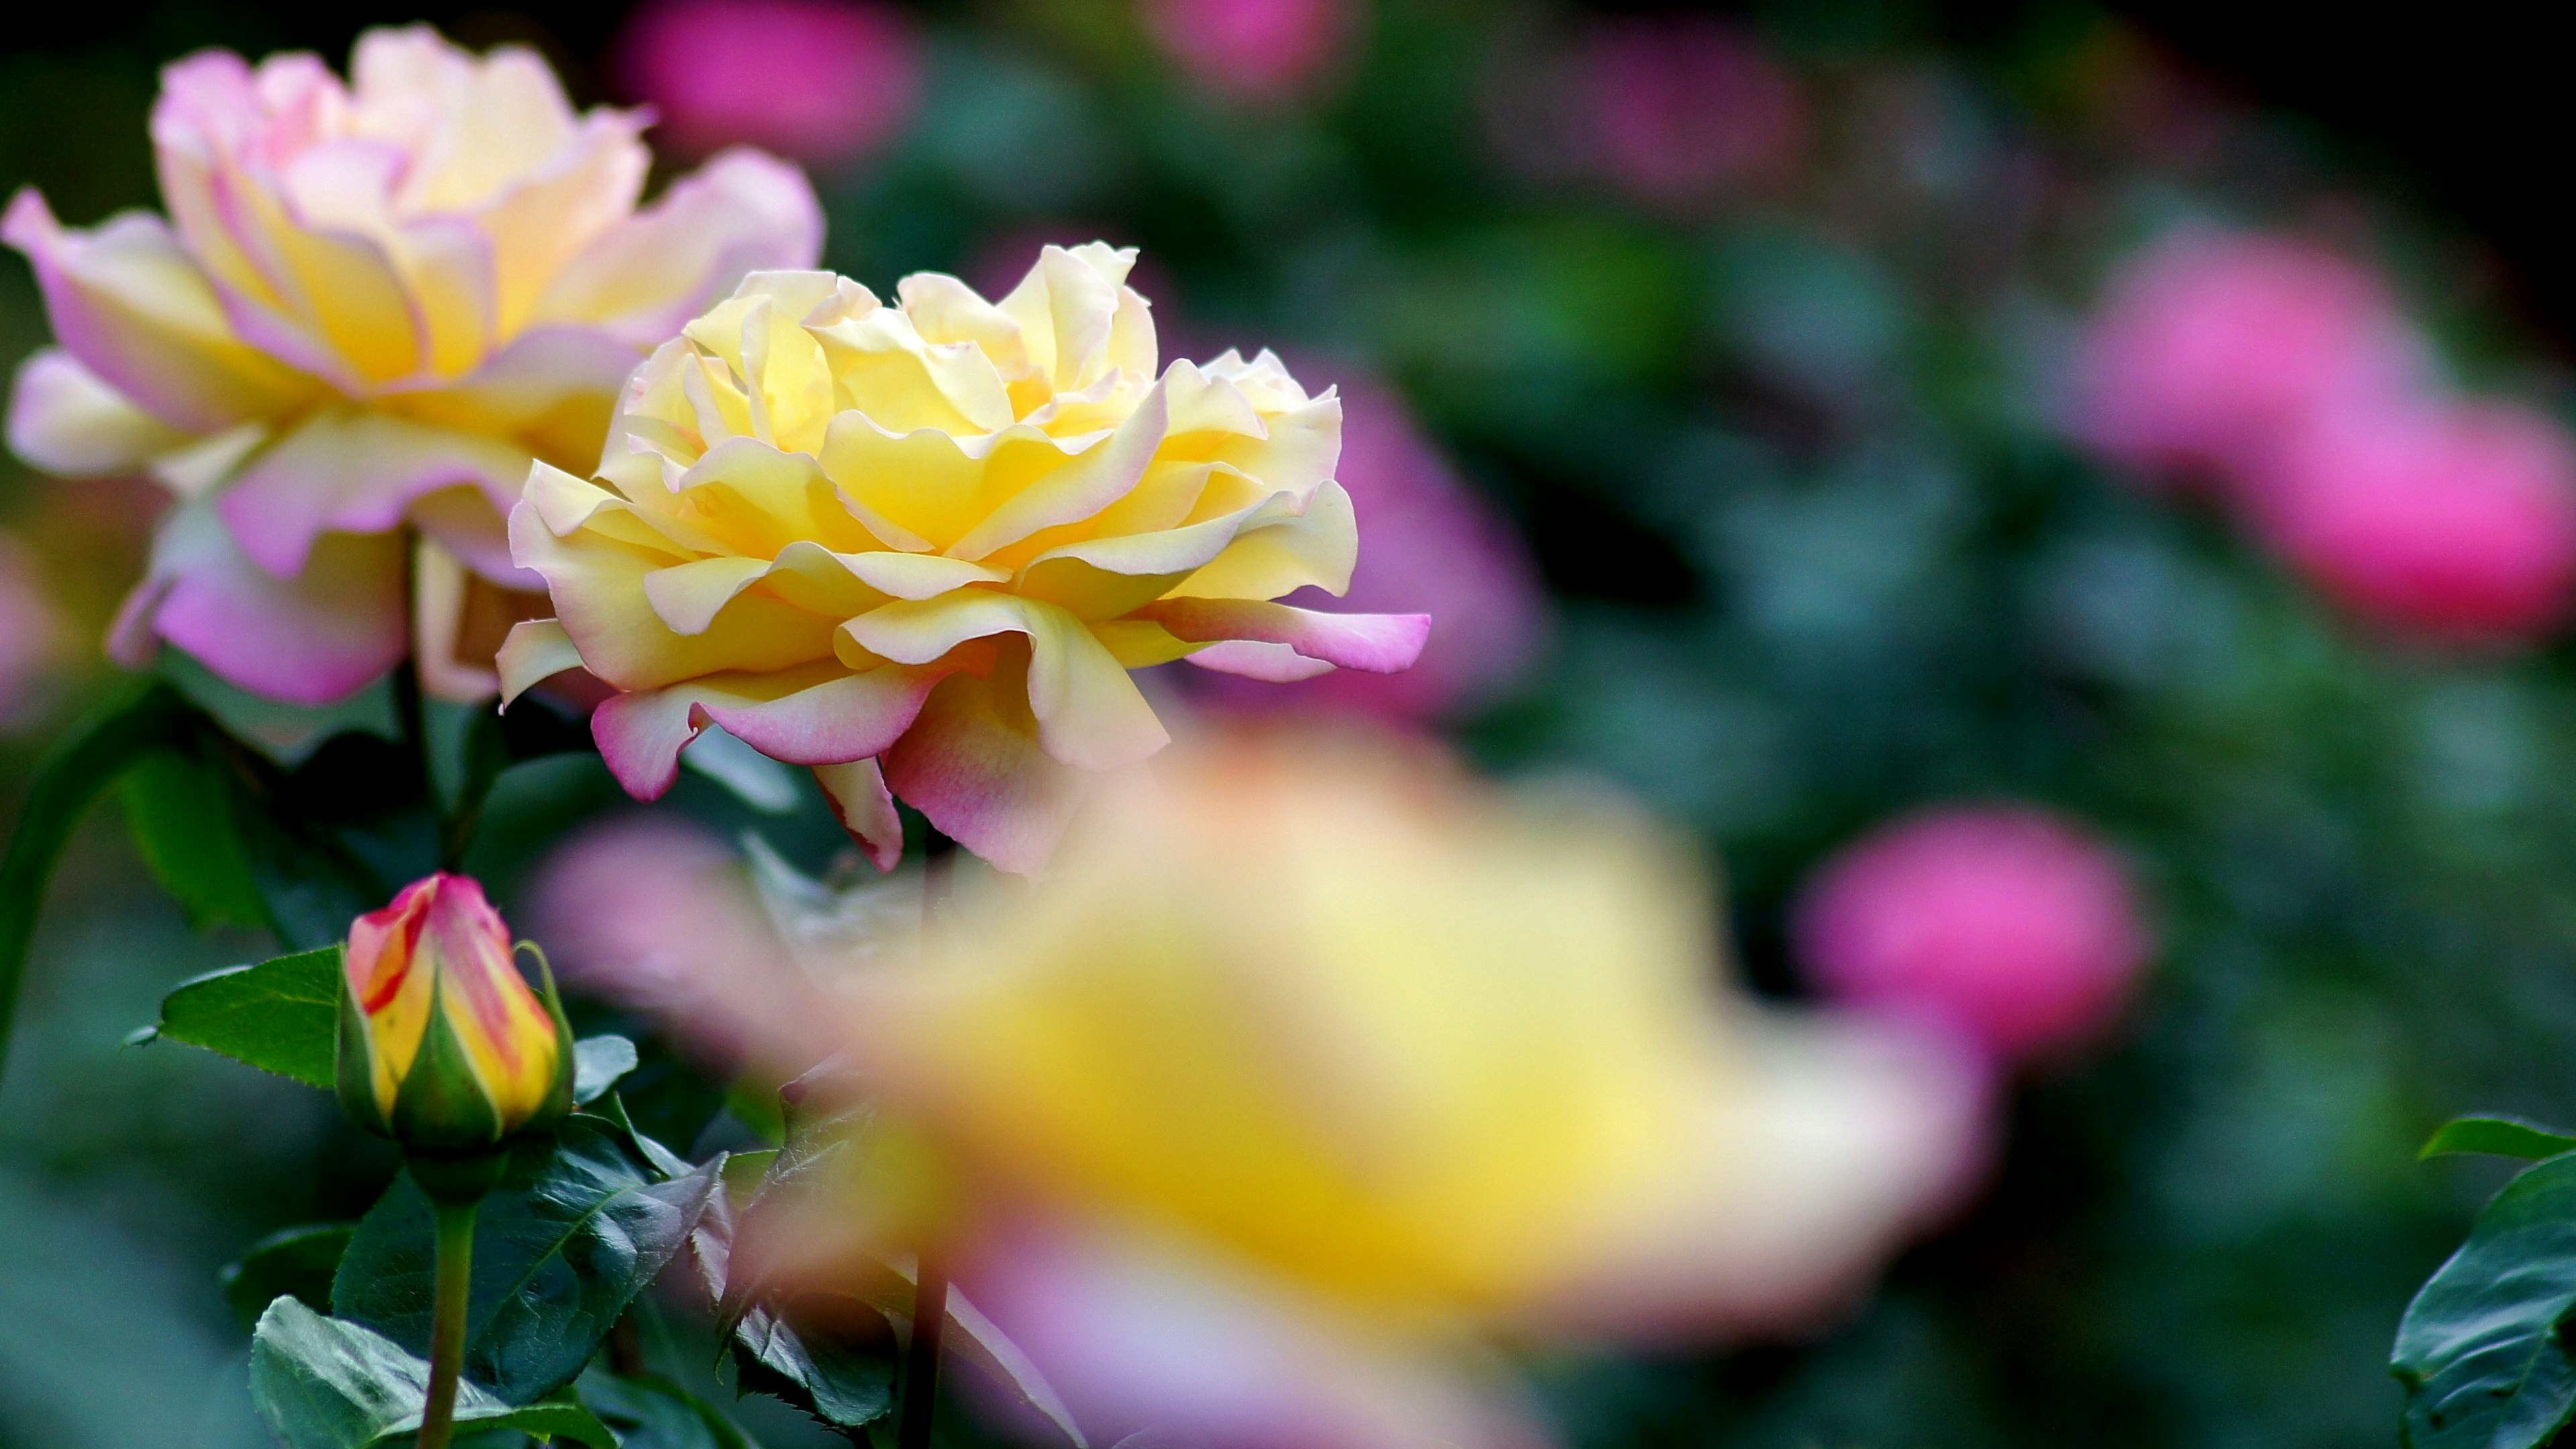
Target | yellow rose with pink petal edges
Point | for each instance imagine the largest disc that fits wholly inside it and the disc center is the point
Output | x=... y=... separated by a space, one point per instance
x=372 y=305
x=919 y=545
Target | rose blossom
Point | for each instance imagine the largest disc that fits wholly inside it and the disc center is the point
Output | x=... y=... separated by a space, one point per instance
x=1679 y=109
x=373 y=305
x=820 y=80
x=2002 y=923
x=1262 y=50
x=1313 y=1065
x=2450 y=520
x=920 y=546
x=2210 y=350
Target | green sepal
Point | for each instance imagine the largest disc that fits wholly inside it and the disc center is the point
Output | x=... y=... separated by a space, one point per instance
x=352 y=1062
x=559 y=1102
x=442 y=1107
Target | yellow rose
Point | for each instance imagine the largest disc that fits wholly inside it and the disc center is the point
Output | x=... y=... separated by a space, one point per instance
x=938 y=534
x=373 y=305
x=1302 y=1069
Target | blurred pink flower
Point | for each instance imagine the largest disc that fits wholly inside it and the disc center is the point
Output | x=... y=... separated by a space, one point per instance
x=2211 y=350
x=2451 y=520
x=375 y=303
x=819 y=80
x=1681 y=108
x=2003 y=923
x=1430 y=546
x=1258 y=50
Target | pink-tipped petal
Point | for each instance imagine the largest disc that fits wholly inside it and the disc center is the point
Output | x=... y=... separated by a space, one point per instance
x=309 y=639
x=1255 y=659
x=1376 y=643
x=972 y=764
x=357 y=472
x=742 y=212
x=1138 y=1337
x=865 y=808
x=851 y=718
x=128 y=301
x=640 y=736
x=65 y=419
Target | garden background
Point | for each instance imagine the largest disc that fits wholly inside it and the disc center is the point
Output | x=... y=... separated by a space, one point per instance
x=1778 y=424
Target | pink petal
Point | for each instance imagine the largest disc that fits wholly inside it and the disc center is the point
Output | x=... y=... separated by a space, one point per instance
x=1377 y=643
x=742 y=212
x=972 y=763
x=1136 y=1336
x=64 y=419
x=1254 y=659
x=309 y=639
x=134 y=308
x=851 y=718
x=861 y=802
x=356 y=472
x=812 y=715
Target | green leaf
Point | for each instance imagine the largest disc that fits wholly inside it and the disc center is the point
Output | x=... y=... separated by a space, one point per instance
x=597 y=1063
x=326 y=1383
x=296 y=1262
x=655 y=1413
x=280 y=1016
x=579 y=1225
x=145 y=716
x=2499 y=1137
x=2480 y=1350
x=181 y=819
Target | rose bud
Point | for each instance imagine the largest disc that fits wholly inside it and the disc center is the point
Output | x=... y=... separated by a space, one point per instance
x=444 y=1047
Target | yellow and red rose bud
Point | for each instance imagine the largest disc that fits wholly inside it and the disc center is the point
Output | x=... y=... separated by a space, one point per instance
x=444 y=1047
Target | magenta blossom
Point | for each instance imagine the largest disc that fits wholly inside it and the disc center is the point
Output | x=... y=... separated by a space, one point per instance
x=2001 y=923
x=2453 y=521
x=819 y=80
x=1255 y=50
x=1682 y=108
x=2213 y=349
x=1433 y=547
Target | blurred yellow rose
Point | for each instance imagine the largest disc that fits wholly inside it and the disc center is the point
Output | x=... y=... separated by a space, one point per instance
x=1309 y=1066
x=373 y=305
x=939 y=534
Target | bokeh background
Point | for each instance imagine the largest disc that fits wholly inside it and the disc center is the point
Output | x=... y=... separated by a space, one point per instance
x=1721 y=380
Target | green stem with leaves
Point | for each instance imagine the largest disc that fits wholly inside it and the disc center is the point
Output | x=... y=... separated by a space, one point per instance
x=144 y=716
x=447 y=1318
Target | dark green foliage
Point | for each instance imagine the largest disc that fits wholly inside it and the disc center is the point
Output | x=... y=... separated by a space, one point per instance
x=2498 y=1137
x=580 y=1223
x=293 y=1261
x=280 y=1015
x=2483 y=1352
x=658 y=1414
x=325 y=1383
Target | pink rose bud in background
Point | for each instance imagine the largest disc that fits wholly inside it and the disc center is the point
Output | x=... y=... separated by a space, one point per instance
x=1685 y=107
x=2454 y=521
x=2210 y=350
x=819 y=80
x=1256 y=50
x=1432 y=546
x=2002 y=923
